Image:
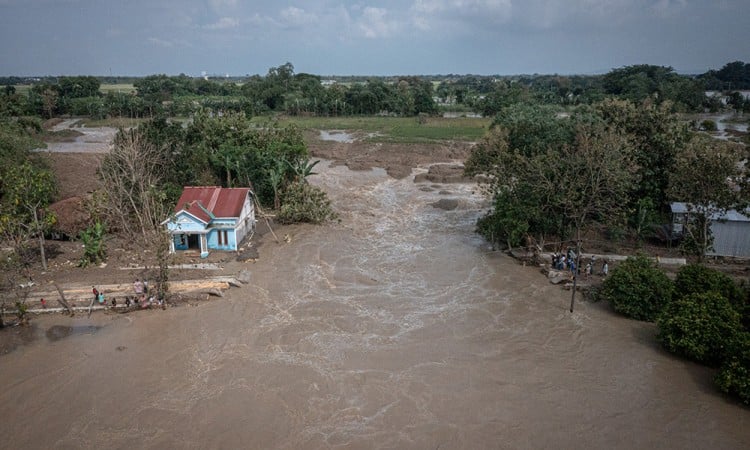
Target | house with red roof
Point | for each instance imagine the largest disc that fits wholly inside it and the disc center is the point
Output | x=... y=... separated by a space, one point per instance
x=211 y=218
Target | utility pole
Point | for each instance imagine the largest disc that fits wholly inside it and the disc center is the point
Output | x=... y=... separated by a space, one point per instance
x=575 y=272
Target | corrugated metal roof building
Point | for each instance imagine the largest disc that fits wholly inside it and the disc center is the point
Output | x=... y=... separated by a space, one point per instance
x=730 y=230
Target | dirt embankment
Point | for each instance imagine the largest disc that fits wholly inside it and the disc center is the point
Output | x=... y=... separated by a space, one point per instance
x=397 y=159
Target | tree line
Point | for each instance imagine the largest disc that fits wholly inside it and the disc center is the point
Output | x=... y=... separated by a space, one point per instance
x=283 y=90
x=227 y=151
x=614 y=166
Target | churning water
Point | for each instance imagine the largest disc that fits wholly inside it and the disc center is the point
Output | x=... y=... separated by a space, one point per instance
x=395 y=328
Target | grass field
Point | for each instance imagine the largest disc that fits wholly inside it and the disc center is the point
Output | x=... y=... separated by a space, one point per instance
x=383 y=129
x=104 y=88
x=397 y=129
x=22 y=88
x=124 y=88
x=114 y=122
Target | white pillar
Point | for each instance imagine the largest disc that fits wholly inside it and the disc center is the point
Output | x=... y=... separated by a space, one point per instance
x=204 y=246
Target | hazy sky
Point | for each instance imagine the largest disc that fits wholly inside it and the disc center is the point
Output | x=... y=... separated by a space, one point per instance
x=342 y=37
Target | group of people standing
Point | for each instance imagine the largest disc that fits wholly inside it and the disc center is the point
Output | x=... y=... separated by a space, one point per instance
x=568 y=261
x=141 y=298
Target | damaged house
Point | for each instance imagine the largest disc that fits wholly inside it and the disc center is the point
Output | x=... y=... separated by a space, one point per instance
x=211 y=218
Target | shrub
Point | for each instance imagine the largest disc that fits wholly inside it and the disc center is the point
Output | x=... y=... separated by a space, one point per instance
x=702 y=326
x=694 y=279
x=22 y=312
x=734 y=375
x=637 y=289
x=708 y=125
x=94 y=250
x=302 y=202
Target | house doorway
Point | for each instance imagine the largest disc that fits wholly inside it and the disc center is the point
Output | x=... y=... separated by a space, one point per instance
x=194 y=241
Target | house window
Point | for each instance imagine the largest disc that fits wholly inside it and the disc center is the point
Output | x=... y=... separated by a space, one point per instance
x=222 y=237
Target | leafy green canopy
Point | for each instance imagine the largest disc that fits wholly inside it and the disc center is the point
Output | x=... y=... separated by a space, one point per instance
x=722 y=185
x=637 y=289
x=734 y=374
x=702 y=326
x=149 y=166
x=550 y=174
x=657 y=136
x=27 y=187
x=639 y=82
x=698 y=279
x=231 y=151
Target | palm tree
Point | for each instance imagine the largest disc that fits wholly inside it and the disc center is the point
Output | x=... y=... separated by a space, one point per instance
x=275 y=177
x=303 y=169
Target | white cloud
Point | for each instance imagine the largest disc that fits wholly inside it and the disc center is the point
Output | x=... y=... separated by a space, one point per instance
x=222 y=4
x=224 y=23
x=296 y=17
x=160 y=42
x=668 y=7
x=376 y=23
x=430 y=14
x=471 y=15
x=549 y=13
x=495 y=8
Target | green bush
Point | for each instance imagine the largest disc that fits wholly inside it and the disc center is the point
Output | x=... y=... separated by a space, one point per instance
x=702 y=326
x=734 y=375
x=94 y=249
x=708 y=125
x=695 y=279
x=637 y=289
x=302 y=202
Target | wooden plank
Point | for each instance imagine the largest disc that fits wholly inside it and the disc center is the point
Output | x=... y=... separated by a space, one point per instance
x=81 y=293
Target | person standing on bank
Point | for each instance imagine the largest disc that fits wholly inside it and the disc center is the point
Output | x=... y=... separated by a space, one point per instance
x=138 y=287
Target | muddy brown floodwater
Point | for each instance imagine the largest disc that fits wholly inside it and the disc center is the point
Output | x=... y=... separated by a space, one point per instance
x=395 y=328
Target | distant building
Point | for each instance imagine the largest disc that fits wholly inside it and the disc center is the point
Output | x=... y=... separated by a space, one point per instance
x=730 y=230
x=211 y=218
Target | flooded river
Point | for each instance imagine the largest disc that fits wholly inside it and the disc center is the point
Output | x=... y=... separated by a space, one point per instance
x=395 y=328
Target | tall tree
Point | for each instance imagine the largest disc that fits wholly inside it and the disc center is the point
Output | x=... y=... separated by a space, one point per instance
x=657 y=135
x=133 y=175
x=551 y=183
x=77 y=87
x=711 y=177
x=27 y=192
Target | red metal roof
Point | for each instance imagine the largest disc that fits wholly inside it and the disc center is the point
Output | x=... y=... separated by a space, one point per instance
x=204 y=201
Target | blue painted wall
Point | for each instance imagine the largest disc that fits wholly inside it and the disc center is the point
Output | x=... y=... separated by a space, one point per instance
x=213 y=240
x=185 y=222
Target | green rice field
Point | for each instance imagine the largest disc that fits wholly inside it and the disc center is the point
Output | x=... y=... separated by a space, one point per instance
x=396 y=129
